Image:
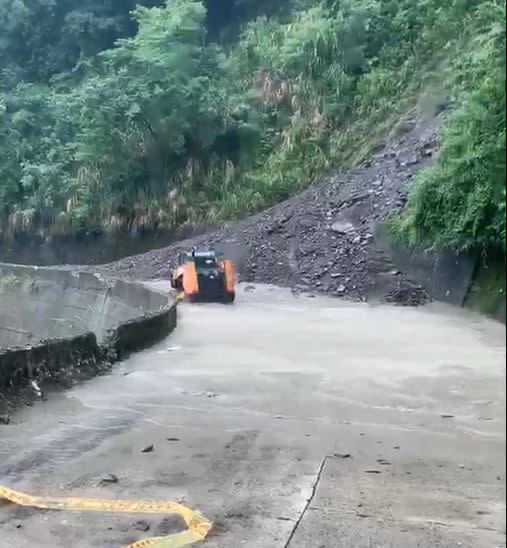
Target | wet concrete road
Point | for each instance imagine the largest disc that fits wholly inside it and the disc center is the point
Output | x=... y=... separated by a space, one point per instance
x=253 y=410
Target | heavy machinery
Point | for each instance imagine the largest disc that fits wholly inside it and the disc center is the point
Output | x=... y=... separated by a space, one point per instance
x=201 y=277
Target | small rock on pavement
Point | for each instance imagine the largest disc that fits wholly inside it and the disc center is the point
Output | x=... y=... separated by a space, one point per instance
x=170 y=525
x=203 y=394
x=109 y=478
x=173 y=348
x=148 y=449
x=141 y=525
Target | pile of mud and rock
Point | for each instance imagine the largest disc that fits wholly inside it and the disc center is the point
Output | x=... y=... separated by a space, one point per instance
x=324 y=239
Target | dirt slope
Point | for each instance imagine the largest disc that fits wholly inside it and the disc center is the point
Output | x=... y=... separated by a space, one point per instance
x=322 y=239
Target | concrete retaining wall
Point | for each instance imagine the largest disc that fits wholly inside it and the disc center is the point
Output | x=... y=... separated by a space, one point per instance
x=42 y=303
x=56 y=361
x=61 y=324
x=445 y=276
x=488 y=290
x=458 y=279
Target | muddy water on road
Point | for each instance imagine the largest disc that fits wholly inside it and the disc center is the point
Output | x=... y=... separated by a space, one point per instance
x=247 y=407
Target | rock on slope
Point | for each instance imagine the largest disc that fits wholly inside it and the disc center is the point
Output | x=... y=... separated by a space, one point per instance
x=322 y=239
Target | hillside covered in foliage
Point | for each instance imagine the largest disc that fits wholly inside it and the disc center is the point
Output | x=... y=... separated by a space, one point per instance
x=117 y=118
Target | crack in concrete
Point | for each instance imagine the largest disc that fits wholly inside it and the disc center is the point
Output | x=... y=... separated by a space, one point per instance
x=308 y=502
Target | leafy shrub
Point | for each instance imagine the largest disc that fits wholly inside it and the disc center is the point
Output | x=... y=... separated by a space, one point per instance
x=460 y=202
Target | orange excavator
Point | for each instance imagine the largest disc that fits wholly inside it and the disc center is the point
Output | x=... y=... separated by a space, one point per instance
x=201 y=277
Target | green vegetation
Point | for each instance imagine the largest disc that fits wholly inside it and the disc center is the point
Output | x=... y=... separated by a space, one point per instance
x=121 y=121
x=488 y=289
x=460 y=202
x=11 y=281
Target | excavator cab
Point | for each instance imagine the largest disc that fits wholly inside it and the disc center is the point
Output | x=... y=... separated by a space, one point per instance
x=202 y=277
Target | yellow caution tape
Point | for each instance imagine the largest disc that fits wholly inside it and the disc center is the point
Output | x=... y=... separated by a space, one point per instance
x=198 y=526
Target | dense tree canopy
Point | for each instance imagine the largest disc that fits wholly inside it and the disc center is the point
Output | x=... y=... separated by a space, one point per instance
x=42 y=38
x=117 y=118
